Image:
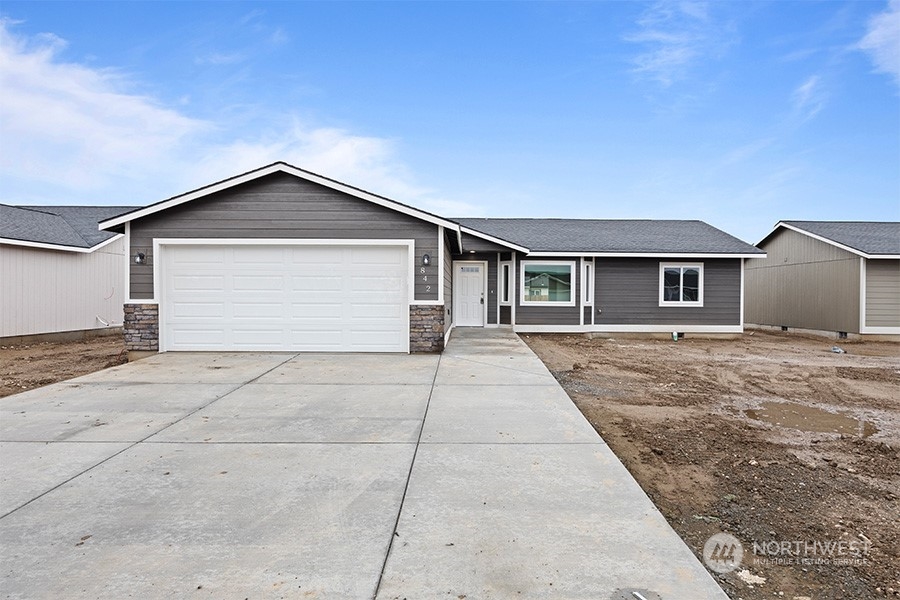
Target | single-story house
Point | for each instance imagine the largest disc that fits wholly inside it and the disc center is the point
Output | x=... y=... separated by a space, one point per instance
x=283 y=259
x=58 y=272
x=835 y=277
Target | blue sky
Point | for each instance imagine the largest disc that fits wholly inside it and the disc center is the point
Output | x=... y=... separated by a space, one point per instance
x=736 y=113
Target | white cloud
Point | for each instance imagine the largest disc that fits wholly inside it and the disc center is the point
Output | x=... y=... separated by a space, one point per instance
x=808 y=98
x=78 y=134
x=675 y=36
x=75 y=124
x=882 y=41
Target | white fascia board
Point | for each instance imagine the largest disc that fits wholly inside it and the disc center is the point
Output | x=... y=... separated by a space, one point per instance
x=628 y=328
x=832 y=242
x=44 y=246
x=491 y=238
x=665 y=255
x=262 y=172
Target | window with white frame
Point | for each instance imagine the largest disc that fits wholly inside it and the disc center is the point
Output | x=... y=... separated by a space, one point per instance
x=587 y=282
x=506 y=289
x=680 y=284
x=547 y=282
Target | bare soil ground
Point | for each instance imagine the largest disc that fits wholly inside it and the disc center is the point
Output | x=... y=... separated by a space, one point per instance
x=29 y=366
x=770 y=438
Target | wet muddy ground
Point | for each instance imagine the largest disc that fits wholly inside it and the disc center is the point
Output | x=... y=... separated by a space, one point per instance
x=772 y=438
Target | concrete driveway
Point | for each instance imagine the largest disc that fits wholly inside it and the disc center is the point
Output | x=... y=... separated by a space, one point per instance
x=466 y=475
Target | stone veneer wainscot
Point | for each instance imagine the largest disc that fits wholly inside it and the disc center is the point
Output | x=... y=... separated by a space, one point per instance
x=426 y=328
x=142 y=327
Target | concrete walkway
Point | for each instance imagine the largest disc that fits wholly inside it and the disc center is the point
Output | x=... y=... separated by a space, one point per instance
x=469 y=474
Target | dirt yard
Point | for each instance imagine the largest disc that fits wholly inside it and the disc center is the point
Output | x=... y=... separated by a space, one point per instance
x=770 y=438
x=28 y=366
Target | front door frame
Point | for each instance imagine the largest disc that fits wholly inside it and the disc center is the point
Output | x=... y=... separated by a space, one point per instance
x=484 y=274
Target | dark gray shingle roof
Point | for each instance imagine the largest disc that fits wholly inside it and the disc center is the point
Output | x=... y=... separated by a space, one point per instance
x=869 y=237
x=74 y=226
x=612 y=235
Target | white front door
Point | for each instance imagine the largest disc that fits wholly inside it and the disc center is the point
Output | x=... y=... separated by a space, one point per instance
x=468 y=294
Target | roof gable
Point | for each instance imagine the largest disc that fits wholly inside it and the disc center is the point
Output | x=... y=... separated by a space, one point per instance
x=278 y=167
x=870 y=239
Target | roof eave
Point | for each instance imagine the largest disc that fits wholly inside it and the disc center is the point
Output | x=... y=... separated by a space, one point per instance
x=61 y=247
x=491 y=238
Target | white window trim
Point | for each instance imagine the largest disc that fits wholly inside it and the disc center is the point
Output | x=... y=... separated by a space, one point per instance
x=573 y=300
x=506 y=284
x=662 y=284
x=587 y=282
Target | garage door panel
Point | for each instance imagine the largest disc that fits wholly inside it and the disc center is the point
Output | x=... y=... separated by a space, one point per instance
x=198 y=310
x=198 y=283
x=300 y=298
x=199 y=338
x=317 y=283
x=317 y=256
x=257 y=310
x=262 y=283
x=258 y=338
x=387 y=256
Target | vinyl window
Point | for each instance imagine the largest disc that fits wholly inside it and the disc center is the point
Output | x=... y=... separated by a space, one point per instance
x=548 y=283
x=680 y=284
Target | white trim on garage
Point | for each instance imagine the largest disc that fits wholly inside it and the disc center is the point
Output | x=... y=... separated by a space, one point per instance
x=160 y=248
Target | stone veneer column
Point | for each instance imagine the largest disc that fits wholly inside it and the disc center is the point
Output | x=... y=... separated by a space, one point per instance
x=426 y=328
x=141 y=327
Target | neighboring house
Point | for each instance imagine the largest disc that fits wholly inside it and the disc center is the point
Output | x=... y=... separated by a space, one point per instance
x=840 y=277
x=283 y=259
x=58 y=272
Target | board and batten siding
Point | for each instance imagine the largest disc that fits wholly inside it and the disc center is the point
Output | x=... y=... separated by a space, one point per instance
x=281 y=206
x=50 y=291
x=802 y=283
x=882 y=293
x=627 y=292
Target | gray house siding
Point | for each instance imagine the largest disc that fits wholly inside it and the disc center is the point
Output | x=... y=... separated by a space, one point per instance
x=546 y=315
x=803 y=283
x=506 y=315
x=280 y=206
x=882 y=293
x=627 y=293
x=448 y=282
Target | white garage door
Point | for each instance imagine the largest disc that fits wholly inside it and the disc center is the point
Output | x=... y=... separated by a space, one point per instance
x=304 y=298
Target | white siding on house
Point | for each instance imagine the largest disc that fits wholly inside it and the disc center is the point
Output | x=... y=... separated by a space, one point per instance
x=44 y=291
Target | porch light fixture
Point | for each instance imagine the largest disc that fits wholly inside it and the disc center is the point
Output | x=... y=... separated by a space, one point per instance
x=426 y=260
x=471 y=252
x=139 y=258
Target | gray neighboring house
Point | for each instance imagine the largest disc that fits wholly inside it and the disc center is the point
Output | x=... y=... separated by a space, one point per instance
x=58 y=271
x=283 y=259
x=835 y=277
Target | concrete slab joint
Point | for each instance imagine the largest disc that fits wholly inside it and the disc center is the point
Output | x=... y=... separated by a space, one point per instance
x=426 y=328
x=141 y=327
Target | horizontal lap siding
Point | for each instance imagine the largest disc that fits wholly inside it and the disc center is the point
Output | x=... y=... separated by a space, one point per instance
x=803 y=283
x=448 y=282
x=882 y=293
x=627 y=293
x=281 y=206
